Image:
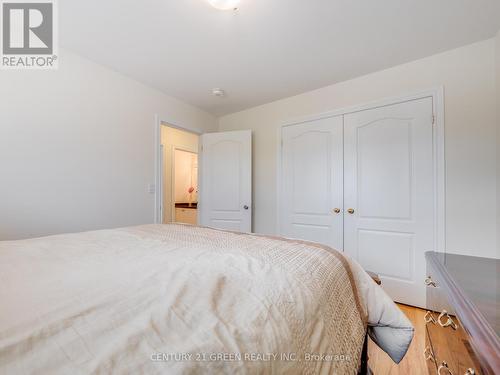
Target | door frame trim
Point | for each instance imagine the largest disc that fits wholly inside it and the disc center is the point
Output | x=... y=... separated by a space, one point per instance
x=158 y=193
x=438 y=138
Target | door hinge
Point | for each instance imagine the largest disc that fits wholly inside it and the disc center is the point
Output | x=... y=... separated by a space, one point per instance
x=433 y=119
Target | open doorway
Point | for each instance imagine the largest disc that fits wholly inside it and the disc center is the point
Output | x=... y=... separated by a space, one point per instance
x=220 y=175
x=180 y=175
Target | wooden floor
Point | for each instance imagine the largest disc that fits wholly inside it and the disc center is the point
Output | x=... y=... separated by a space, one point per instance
x=414 y=362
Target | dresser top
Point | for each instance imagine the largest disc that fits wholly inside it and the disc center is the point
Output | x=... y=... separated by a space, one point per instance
x=479 y=280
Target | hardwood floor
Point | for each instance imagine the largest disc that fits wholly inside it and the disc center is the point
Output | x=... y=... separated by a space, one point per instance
x=413 y=362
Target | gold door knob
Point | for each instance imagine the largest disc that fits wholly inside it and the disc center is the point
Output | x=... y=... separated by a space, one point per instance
x=336 y=210
x=350 y=210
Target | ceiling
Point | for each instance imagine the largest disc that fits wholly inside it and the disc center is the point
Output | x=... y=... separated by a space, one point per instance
x=269 y=49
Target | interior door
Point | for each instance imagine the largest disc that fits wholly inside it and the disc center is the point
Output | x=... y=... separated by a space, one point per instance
x=312 y=182
x=226 y=180
x=389 y=194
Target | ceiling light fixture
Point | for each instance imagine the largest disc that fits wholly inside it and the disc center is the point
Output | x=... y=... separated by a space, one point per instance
x=224 y=4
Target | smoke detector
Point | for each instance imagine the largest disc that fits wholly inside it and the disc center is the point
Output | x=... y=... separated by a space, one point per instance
x=218 y=92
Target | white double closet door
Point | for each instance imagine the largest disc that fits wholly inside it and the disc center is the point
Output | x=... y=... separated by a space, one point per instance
x=363 y=183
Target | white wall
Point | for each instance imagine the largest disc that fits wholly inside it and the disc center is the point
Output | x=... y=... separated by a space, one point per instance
x=172 y=138
x=77 y=148
x=468 y=77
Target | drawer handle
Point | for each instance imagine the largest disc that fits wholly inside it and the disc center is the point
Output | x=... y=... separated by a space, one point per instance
x=470 y=371
x=449 y=322
x=428 y=354
x=430 y=282
x=429 y=318
x=444 y=366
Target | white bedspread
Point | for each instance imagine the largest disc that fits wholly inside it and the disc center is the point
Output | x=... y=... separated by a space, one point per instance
x=175 y=299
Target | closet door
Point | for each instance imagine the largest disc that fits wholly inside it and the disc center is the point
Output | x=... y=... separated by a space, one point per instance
x=389 y=194
x=311 y=201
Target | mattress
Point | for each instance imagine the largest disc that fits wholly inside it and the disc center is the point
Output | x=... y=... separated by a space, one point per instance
x=180 y=299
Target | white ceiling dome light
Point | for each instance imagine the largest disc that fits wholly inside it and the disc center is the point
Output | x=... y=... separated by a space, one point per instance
x=224 y=4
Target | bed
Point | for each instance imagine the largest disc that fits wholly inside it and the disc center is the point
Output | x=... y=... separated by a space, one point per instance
x=181 y=299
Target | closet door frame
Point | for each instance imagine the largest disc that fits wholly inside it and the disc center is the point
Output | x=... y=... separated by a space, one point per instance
x=438 y=139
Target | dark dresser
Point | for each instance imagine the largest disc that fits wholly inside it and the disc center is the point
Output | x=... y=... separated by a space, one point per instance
x=463 y=319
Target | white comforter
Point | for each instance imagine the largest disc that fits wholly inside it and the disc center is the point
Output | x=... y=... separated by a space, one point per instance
x=180 y=299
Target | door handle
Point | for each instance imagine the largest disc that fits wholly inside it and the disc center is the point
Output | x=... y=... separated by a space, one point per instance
x=430 y=282
x=429 y=318
x=428 y=354
x=448 y=323
x=245 y=207
x=444 y=366
x=350 y=211
x=336 y=210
